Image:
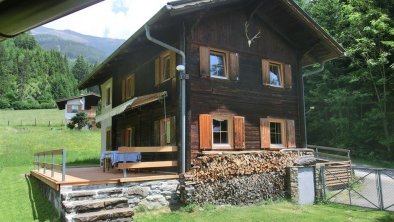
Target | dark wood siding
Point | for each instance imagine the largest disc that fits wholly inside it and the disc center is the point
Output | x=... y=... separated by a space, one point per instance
x=246 y=97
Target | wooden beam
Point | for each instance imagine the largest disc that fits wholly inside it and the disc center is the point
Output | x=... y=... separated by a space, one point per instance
x=148 y=149
x=147 y=178
x=154 y=164
x=46 y=180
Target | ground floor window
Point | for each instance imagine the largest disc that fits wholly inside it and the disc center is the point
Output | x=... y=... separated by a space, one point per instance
x=221 y=131
x=277 y=133
x=128 y=137
x=164 y=131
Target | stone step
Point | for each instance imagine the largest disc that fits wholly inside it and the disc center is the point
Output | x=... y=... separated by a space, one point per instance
x=92 y=194
x=82 y=206
x=118 y=215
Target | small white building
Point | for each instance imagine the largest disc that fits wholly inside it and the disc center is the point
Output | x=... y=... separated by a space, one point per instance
x=84 y=103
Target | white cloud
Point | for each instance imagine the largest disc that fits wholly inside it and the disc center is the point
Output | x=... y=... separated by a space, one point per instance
x=110 y=18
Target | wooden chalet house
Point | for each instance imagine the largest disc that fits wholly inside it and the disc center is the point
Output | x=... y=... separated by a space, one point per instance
x=84 y=103
x=239 y=85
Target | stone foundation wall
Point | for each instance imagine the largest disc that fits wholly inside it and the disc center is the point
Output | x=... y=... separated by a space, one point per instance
x=76 y=202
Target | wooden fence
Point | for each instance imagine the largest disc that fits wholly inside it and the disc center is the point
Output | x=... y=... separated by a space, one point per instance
x=330 y=153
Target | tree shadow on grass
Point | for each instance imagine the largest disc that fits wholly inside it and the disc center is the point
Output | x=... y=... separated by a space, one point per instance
x=389 y=217
x=42 y=210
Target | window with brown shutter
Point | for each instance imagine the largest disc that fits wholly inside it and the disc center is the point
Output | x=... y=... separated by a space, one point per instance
x=291 y=140
x=128 y=137
x=130 y=86
x=165 y=67
x=239 y=132
x=276 y=74
x=217 y=63
x=221 y=132
x=277 y=133
x=205 y=126
x=108 y=139
x=164 y=131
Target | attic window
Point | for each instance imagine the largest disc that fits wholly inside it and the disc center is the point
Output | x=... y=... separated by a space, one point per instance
x=217 y=61
x=166 y=72
x=276 y=74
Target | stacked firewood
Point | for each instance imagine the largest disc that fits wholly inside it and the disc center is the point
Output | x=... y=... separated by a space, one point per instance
x=236 y=178
x=220 y=167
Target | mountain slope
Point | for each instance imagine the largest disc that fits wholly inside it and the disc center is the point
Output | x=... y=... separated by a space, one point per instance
x=95 y=49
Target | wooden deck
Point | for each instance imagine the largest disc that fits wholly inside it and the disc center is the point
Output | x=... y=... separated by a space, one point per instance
x=95 y=175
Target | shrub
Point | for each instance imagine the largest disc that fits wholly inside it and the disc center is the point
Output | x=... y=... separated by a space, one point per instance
x=78 y=121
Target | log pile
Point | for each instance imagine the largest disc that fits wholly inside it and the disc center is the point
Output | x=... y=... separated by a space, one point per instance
x=236 y=178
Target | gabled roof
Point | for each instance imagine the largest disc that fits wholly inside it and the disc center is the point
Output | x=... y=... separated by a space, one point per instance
x=17 y=16
x=283 y=16
x=61 y=103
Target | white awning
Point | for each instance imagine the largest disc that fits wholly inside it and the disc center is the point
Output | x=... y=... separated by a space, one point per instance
x=131 y=104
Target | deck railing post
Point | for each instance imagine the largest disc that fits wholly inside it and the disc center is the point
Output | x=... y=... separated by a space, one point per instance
x=63 y=165
x=34 y=161
x=124 y=170
x=38 y=162
x=53 y=165
x=45 y=161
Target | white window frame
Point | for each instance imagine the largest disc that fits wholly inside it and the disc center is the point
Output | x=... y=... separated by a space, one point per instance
x=225 y=63
x=283 y=128
x=230 y=132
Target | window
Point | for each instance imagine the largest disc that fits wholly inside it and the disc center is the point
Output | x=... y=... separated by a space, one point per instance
x=73 y=108
x=165 y=65
x=216 y=63
x=108 y=98
x=221 y=132
x=108 y=139
x=276 y=74
x=166 y=71
x=277 y=133
x=130 y=86
x=128 y=137
x=164 y=131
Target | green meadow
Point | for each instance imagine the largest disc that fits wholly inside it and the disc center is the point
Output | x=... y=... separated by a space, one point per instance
x=21 y=199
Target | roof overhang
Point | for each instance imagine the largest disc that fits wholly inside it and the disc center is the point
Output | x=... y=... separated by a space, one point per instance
x=18 y=16
x=132 y=104
x=318 y=46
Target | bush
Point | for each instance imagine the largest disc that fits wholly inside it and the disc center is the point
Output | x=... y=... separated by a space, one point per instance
x=79 y=121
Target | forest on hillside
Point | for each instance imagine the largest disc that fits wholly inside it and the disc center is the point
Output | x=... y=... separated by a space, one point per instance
x=353 y=98
x=33 y=78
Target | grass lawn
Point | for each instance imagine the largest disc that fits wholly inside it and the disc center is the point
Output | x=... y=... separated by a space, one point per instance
x=20 y=199
x=28 y=117
x=271 y=212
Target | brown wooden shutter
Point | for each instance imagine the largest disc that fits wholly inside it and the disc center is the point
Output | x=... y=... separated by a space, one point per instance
x=265 y=69
x=265 y=139
x=204 y=62
x=157 y=71
x=123 y=90
x=239 y=132
x=156 y=133
x=234 y=66
x=132 y=85
x=173 y=64
x=288 y=76
x=69 y=108
x=205 y=131
x=291 y=140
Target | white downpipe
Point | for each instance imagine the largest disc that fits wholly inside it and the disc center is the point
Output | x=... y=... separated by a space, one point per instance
x=183 y=94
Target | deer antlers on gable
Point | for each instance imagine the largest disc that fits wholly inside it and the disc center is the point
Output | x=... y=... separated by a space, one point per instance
x=250 y=40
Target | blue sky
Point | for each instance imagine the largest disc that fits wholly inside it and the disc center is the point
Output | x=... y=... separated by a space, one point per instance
x=110 y=18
